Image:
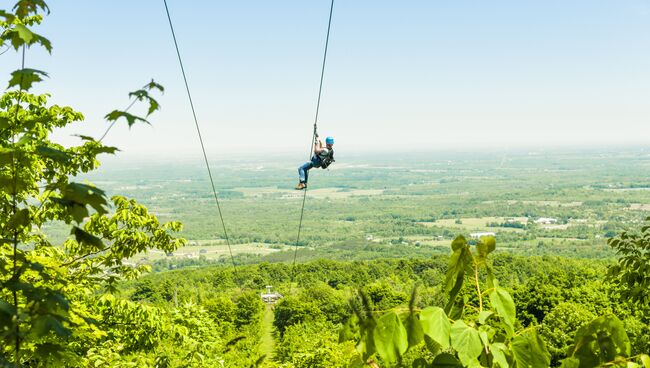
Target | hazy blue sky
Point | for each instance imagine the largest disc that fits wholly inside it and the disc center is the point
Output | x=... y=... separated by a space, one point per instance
x=403 y=74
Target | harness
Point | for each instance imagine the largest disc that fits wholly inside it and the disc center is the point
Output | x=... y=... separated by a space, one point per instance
x=327 y=160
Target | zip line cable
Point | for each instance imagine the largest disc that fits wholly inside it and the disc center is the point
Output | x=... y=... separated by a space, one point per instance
x=198 y=130
x=313 y=140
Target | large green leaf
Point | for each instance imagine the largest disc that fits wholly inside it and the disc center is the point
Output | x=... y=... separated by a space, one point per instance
x=390 y=337
x=505 y=307
x=530 y=351
x=467 y=342
x=600 y=341
x=25 y=78
x=436 y=325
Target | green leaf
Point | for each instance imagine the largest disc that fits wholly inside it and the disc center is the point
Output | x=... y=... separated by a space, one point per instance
x=153 y=85
x=106 y=149
x=25 y=78
x=85 y=137
x=87 y=195
x=19 y=219
x=446 y=360
x=413 y=329
x=390 y=337
x=53 y=154
x=350 y=330
x=505 y=307
x=24 y=33
x=52 y=351
x=460 y=262
x=141 y=95
x=6 y=156
x=530 y=351
x=600 y=341
x=130 y=118
x=23 y=8
x=490 y=242
x=75 y=198
x=43 y=41
x=482 y=333
x=42 y=325
x=9 y=18
x=499 y=351
x=433 y=347
x=366 y=345
x=490 y=276
x=458 y=243
x=7 y=311
x=485 y=246
x=483 y=316
x=436 y=325
x=467 y=342
x=6 y=308
x=4 y=123
x=84 y=237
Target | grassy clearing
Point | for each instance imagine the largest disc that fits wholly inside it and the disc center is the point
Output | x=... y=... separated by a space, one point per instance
x=266 y=340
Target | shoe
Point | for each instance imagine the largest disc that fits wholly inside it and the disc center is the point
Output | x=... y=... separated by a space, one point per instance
x=301 y=186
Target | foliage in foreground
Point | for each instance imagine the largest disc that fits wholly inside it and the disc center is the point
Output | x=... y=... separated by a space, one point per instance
x=631 y=275
x=462 y=335
x=52 y=312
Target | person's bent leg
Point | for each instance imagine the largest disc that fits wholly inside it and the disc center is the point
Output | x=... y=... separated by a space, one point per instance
x=303 y=172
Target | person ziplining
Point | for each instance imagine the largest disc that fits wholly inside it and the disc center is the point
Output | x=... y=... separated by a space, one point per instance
x=323 y=157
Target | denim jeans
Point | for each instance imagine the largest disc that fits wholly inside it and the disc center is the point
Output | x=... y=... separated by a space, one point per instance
x=303 y=171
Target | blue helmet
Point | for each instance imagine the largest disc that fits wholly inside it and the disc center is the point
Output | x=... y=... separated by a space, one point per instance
x=329 y=140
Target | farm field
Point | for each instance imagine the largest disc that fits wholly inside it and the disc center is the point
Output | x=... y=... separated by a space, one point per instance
x=544 y=203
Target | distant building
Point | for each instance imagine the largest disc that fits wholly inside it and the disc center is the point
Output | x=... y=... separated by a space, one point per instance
x=270 y=297
x=546 y=221
x=482 y=234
